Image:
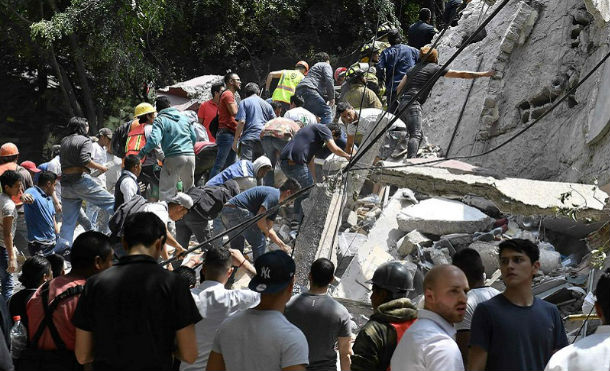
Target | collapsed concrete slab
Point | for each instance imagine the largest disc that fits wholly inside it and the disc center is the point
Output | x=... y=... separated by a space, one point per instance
x=188 y=95
x=439 y=216
x=511 y=195
x=413 y=239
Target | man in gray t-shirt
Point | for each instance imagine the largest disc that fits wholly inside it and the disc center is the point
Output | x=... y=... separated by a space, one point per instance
x=262 y=339
x=322 y=319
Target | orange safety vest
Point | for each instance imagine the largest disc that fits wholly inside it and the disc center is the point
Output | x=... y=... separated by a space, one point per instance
x=401 y=328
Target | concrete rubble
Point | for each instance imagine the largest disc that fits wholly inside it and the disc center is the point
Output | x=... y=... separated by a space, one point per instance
x=188 y=95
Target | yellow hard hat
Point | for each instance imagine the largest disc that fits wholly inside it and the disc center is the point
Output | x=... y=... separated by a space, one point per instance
x=143 y=109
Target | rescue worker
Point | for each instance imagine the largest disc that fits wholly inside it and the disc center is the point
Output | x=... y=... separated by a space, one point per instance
x=393 y=315
x=289 y=79
x=358 y=94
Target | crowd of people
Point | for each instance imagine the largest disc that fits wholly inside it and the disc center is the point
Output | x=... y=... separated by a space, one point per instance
x=102 y=301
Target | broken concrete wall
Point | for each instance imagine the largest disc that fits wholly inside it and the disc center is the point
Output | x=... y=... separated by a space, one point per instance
x=188 y=95
x=536 y=64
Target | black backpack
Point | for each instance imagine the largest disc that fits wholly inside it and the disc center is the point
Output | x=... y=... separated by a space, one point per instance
x=119 y=139
x=117 y=220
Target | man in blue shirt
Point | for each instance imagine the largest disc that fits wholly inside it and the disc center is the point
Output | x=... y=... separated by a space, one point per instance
x=251 y=117
x=394 y=63
x=245 y=172
x=40 y=215
x=247 y=205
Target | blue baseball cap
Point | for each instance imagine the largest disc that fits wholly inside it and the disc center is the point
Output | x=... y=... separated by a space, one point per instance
x=274 y=271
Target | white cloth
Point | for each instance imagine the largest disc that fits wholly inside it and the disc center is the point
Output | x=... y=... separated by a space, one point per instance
x=260 y=340
x=98 y=155
x=7 y=209
x=114 y=166
x=301 y=115
x=429 y=344
x=215 y=304
x=369 y=117
x=590 y=353
x=159 y=209
x=129 y=186
x=475 y=296
x=55 y=167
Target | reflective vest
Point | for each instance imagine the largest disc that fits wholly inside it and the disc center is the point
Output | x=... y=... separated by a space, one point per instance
x=287 y=85
x=401 y=328
x=136 y=139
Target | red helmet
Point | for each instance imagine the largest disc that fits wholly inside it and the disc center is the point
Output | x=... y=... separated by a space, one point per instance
x=303 y=64
x=339 y=71
x=8 y=149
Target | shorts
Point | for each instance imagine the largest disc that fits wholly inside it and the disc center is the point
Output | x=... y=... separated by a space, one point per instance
x=390 y=142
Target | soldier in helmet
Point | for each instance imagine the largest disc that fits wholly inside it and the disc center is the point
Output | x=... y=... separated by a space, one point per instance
x=393 y=315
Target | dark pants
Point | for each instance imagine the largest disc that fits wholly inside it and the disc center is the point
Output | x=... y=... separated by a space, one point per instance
x=412 y=118
x=191 y=224
x=37 y=248
x=300 y=173
x=272 y=146
x=250 y=149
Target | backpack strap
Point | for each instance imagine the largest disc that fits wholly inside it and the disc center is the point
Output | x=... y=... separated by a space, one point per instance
x=47 y=321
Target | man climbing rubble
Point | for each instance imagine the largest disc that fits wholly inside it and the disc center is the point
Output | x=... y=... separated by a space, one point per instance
x=421 y=32
x=289 y=79
x=274 y=137
x=393 y=315
x=317 y=88
x=251 y=116
x=245 y=172
x=358 y=94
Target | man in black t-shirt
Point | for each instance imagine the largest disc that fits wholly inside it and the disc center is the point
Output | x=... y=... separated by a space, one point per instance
x=134 y=315
x=414 y=81
x=421 y=32
x=515 y=330
x=296 y=159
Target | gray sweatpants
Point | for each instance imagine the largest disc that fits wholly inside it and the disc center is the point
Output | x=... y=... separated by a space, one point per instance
x=176 y=167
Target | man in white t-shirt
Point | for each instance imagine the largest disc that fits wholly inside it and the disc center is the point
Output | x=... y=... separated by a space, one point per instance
x=261 y=338
x=215 y=303
x=99 y=155
x=469 y=261
x=298 y=113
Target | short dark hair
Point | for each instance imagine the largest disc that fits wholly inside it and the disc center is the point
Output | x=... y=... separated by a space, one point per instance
x=290 y=185
x=275 y=105
x=335 y=129
x=131 y=161
x=322 y=272
x=187 y=275
x=342 y=107
x=45 y=177
x=425 y=14
x=321 y=57
x=143 y=228
x=251 y=89
x=469 y=261
x=162 y=103
x=9 y=178
x=394 y=37
x=217 y=261
x=87 y=246
x=32 y=271
x=523 y=246
x=228 y=77
x=76 y=125
x=57 y=264
x=297 y=100
x=216 y=87
x=602 y=292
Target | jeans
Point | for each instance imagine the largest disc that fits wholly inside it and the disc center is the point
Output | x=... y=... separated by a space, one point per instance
x=37 y=248
x=192 y=223
x=315 y=104
x=412 y=118
x=250 y=149
x=273 y=147
x=72 y=196
x=225 y=155
x=20 y=240
x=6 y=279
x=98 y=218
x=232 y=216
x=217 y=228
x=300 y=173
x=176 y=167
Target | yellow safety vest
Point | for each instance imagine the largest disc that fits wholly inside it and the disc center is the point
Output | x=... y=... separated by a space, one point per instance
x=287 y=85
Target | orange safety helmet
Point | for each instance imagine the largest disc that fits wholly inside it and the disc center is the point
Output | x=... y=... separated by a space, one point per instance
x=8 y=149
x=303 y=64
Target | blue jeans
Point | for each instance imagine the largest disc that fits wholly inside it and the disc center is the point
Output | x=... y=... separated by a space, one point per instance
x=72 y=196
x=273 y=147
x=225 y=155
x=232 y=216
x=250 y=149
x=412 y=117
x=300 y=173
x=315 y=104
x=6 y=279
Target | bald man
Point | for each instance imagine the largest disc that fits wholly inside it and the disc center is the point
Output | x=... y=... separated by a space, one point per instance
x=429 y=343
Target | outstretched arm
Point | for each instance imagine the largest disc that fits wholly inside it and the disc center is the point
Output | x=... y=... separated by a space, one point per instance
x=270 y=77
x=468 y=74
x=334 y=148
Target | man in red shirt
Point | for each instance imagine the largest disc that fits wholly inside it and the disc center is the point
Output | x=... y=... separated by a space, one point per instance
x=91 y=253
x=227 y=109
x=208 y=110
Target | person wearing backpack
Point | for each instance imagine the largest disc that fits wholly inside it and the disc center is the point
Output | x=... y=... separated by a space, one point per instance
x=208 y=110
x=52 y=341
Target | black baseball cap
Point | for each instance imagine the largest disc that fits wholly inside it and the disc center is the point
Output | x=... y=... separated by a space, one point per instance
x=274 y=271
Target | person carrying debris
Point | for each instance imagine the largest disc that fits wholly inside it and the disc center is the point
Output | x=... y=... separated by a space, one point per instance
x=358 y=95
x=297 y=157
x=421 y=32
x=227 y=109
x=415 y=80
x=251 y=116
x=274 y=137
x=429 y=344
x=177 y=137
x=317 y=88
x=247 y=205
x=323 y=320
x=393 y=315
x=515 y=330
x=286 y=87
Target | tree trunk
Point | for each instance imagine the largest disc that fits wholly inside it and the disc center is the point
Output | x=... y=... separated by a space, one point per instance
x=84 y=84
